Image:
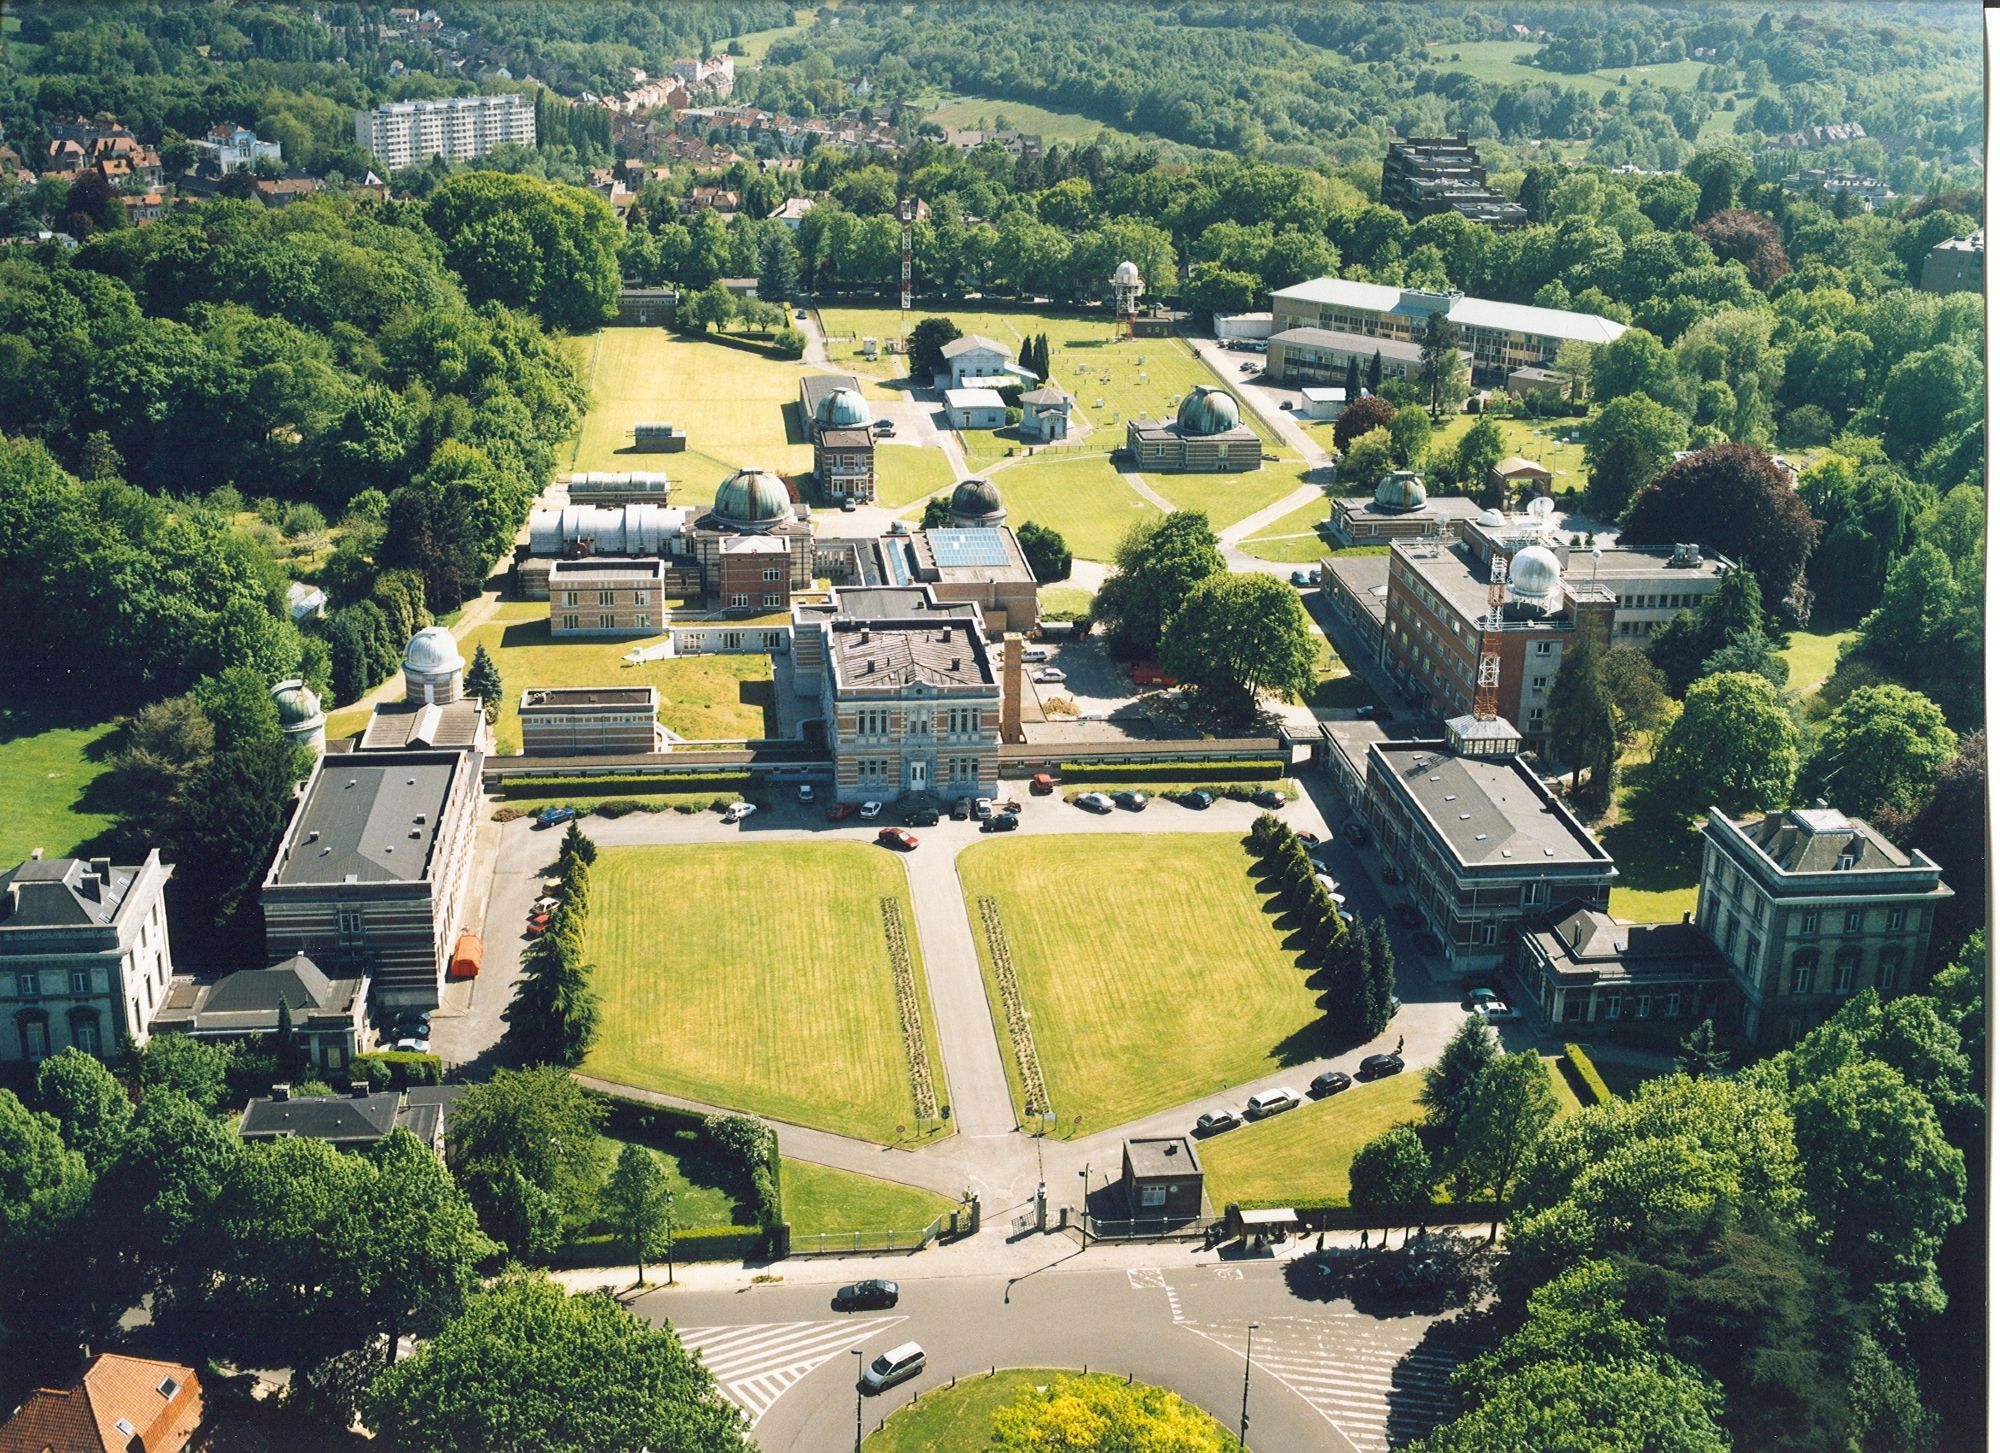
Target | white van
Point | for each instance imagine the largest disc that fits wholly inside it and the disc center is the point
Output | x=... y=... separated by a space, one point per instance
x=898 y=1364
x=1034 y=653
x=1271 y=1102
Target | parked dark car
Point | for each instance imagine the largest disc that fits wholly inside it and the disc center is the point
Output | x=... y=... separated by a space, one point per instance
x=859 y=1295
x=961 y=810
x=1198 y=799
x=550 y=816
x=1330 y=1083
x=1407 y=915
x=901 y=839
x=1379 y=1066
x=1365 y=712
x=1310 y=839
x=1356 y=833
x=1130 y=801
x=1000 y=822
x=1269 y=797
x=1217 y=1121
x=920 y=817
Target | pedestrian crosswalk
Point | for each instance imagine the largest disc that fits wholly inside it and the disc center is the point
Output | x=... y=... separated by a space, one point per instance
x=1372 y=1378
x=755 y=1364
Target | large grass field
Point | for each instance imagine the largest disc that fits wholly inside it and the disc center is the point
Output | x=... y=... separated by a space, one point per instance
x=1081 y=496
x=905 y=473
x=1495 y=61
x=738 y=409
x=1152 y=967
x=756 y=44
x=47 y=773
x=959 y=1418
x=1228 y=498
x=1293 y=540
x=770 y=992
x=702 y=698
x=821 y=1200
x=978 y=112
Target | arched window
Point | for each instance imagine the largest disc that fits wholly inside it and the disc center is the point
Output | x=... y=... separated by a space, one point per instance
x=33 y=1027
x=1847 y=969
x=1805 y=965
x=1889 y=973
x=83 y=1031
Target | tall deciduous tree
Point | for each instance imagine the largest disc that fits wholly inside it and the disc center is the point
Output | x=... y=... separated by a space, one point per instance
x=1883 y=746
x=88 y=1104
x=1450 y=1081
x=44 y=1186
x=1360 y=416
x=1235 y=637
x=1510 y=1105
x=1583 y=723
x=1389 y=1183
x=525 y=1147
x=1734 y=746
x=1628 y=442
x=928 y=337
x=639 y=1204
x=1729 y=498
x=1047 y=553
x=1732 y=609
x=540 y=246
x=1440 y=369
x=526 y=1365
x=1156 y=566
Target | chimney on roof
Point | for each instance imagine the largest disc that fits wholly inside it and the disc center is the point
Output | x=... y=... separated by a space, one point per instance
x=35 y=856
x=100 y=869
x=281 y=1092
x=357 y=1090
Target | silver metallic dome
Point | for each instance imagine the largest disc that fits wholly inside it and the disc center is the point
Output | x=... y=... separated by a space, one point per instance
x=1208 y=411
x=432 y=652
x=1401 y=490
x=842 y=409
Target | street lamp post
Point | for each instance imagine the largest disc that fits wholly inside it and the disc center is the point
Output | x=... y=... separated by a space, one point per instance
x=1243 y=1424
x=1085 y=1173
x=858 y=1355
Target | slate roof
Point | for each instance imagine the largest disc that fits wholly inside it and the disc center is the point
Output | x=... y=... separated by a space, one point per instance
x=399 y=724
x=61 y=893
x=1593 y=945
x=971 y=341
x=901 y=653
x=246 y=1002
x=369 y=820
x=1815 y=839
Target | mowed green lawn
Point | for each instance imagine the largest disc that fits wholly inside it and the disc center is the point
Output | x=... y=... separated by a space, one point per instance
x=1293 y=540
x=46 y=775
x=1227 y=498
x=820 y=1200
x=1541 y=441
x=1151 y=966
x=755 y=975
x=959 y=1418
x=738 y=409
x=966 y=113
x=702 y=698
x=1812 y=655
x=1080 y=496
x=905 y=473
x=1496 y=61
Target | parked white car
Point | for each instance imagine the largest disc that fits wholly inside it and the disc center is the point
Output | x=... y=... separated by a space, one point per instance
x=737 y=811
x=870 y=811
x=1271 y=1102
x=1094 y=802
x=1051 y=675
x=1032 y=654
x=1495 y=1009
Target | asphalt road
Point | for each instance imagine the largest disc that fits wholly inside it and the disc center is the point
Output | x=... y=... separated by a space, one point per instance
x=1325 y=1375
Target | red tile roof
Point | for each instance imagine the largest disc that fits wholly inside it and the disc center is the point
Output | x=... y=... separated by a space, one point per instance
x=119 y=1404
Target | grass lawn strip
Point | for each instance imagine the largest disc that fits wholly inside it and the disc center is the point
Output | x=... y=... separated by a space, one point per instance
x=959 y=1418
x=1151 y=967
x=1812 y=655
x=1227 y=498
x=736 y=975
x=47 y=773
x=820 y=1201
x=1079 y=496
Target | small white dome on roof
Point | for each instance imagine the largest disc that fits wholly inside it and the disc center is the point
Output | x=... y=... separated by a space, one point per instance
x=1534 y=577
x=432 y=651
x=1492 y=517
x=1126 y=275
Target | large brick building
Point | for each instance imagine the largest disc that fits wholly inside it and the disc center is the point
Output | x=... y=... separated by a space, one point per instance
x=566 y=721
x=607 y=596
x=1207 y=435
x=909 y=693
x=843 y=438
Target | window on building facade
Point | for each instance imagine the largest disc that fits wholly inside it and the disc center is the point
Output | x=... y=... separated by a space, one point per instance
x=1152 y=1195
x=83 y=1034
x=1851 y=922
x=607 y=622
x=639 y=598
x=569 y=597
x=1753 y=948
x=569 y=623
x=79 y=981
x=607 y=597
x=1889 y=973
x=1897 y=918
x=1642 y=1007
x=739 y=601
x=1614 y=1005
x=1805 y=963
x=28 y=984
x=1846 y=964
x=1674 y=1005
x=771 y=573
x=918 y=724
x=1809 y=922
x=35 y=1039
x=350 y=922
x=771 y=598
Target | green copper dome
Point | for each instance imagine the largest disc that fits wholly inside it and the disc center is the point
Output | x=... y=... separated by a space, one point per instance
x=753 y=499
x=1208 y=411
x=841 y=409
x=1403 y=490
x=297 y=703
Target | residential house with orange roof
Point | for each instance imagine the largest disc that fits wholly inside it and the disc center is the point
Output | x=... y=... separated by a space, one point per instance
x=119 y=1405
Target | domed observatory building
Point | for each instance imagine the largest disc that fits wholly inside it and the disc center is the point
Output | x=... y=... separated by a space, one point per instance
x=843 y=436
x=975 y=505
x=753 y=547
x=1399 y=509
x=299 y=715
x=1207 y=435
x=434 y=711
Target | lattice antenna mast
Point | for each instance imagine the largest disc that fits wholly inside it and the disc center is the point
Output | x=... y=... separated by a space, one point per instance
x=906 y=214
x=1486 y=698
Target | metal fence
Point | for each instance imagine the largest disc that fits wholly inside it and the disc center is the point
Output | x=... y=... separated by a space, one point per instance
x=851 y=1243
x=1151 y=1228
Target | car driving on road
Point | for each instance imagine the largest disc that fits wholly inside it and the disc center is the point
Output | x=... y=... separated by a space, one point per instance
x=898 y=1364
x=857 y=1296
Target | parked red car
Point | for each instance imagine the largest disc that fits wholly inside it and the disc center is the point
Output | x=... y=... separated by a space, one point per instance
x=841 y=811
x=900 y=838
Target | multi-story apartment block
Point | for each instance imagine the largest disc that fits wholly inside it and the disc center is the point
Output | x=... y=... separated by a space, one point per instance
x=909 y=693
x=1810 y=907
x=458 y=128
x=1425 y=175
x=84 y=956
x=1501 y=337
x=607 y=596
x=1956 y=265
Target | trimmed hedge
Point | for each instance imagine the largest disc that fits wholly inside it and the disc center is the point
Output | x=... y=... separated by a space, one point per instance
x=1583 y=1076
x=398 y=1069
x=701 y=1243
x=631 y=786
x=1233 y=769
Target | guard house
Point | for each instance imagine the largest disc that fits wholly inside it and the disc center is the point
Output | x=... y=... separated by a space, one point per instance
x=1163 y=1179
x=843 y=438
x=1207 y=435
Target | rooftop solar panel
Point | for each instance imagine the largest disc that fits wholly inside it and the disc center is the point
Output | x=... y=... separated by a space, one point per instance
x=968 y=548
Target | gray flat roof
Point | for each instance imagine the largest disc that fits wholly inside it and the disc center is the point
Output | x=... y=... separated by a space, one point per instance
x=561 y=698
x=368 y=819
x=1165 y=1155
x=1356 y=343
x=645 y=567
x=1489 y=811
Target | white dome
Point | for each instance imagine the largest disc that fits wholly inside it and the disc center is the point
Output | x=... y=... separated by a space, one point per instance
x=433 y=652
x=1126 y=275
x=1534 y=576
x=1492 y=517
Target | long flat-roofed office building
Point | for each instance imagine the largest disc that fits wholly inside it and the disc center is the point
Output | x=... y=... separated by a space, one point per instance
x=403 y=134
x=565 y=721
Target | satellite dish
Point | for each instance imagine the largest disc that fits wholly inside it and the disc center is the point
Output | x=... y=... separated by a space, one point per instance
x=1541 y=507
